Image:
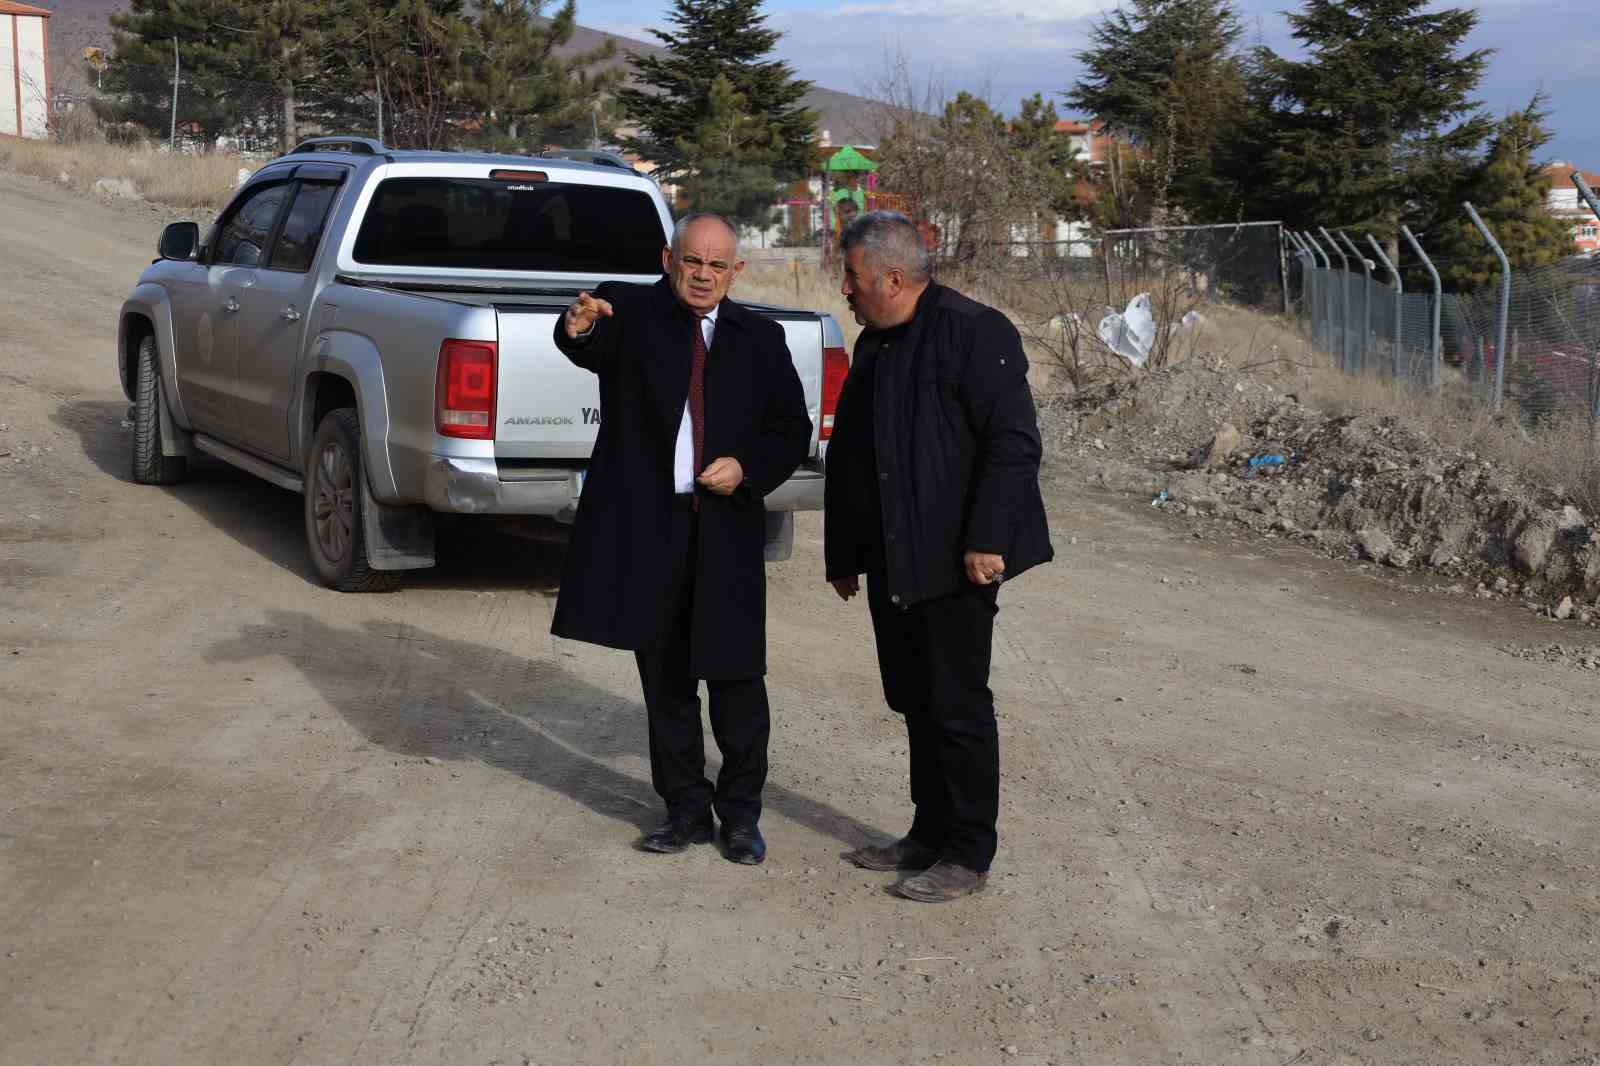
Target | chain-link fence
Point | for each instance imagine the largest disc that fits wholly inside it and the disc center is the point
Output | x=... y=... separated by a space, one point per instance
x=1241 y=263
x=129 y=104
x=1355 y=309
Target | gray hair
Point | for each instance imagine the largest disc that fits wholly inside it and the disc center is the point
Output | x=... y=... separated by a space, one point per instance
x=697 y=216
x=891 y=242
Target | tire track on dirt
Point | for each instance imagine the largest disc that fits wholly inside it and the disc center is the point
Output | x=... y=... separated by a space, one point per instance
x=1067 y=750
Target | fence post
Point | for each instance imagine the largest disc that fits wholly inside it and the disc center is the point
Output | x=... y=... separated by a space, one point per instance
x=1594 y=354
x=1344 y=299
x=1324 y=307
x=1399 y=298
x=1505 y=305
x=1587 y=193
x=1302 y=255
x=1366 y=298
x=1438 y=301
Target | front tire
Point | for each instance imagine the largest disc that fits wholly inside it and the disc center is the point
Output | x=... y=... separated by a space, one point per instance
x=335 y=527
x=150 y=465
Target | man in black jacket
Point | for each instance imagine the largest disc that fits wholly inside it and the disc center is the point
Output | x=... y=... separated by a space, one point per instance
x=703 y=416
x=933 y=493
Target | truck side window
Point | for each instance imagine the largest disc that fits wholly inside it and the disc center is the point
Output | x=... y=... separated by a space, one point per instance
x=244 y=238
x=302 y=229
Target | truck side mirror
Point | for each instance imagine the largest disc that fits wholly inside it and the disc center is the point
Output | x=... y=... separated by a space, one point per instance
x=180 y=240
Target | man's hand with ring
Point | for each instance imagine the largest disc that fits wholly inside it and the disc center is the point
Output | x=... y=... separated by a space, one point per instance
x=722 y=476
x=985 y=569
x=581 y=315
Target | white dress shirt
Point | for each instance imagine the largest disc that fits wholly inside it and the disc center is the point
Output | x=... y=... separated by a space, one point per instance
x=683 y=471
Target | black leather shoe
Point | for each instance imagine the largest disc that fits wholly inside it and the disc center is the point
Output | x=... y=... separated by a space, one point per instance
x=902 y=854
x=745 y=844
x=675 y=835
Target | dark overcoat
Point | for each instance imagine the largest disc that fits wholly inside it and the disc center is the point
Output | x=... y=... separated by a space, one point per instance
x=951 y=441
x=615 y=586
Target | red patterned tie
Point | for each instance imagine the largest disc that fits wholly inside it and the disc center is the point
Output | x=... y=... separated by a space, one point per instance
x=697 y=398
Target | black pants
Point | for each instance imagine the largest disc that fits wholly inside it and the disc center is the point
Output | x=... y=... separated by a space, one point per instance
x=740 y=718
x=934 y=658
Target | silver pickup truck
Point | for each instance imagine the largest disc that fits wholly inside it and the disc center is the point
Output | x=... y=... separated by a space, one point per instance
x=372 y=328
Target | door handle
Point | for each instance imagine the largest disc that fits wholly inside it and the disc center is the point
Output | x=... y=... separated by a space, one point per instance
x=291 y=314
x=231 y=306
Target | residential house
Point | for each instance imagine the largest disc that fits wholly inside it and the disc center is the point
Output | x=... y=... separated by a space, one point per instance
x=1565 y=203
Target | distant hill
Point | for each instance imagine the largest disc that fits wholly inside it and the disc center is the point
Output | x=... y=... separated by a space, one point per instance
x=78 y=24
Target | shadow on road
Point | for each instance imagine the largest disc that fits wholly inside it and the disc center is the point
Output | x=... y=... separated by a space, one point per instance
x=471 y=553
x=424 y=696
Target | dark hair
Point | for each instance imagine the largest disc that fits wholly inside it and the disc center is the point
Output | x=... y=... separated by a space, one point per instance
x=891 y=242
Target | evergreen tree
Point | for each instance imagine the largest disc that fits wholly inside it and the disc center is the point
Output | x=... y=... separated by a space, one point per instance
x=732 y=159
x=1361 y=127
x=712 y=38
x=282 y=42
x=214 y=92
x=1050 y=155
x=523 y=93
x=1510 y=190
x=1163 y=76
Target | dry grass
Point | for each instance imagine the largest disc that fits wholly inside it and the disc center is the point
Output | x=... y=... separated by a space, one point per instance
x=201 y=183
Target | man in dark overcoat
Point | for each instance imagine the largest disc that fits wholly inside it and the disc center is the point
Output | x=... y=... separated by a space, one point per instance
x=933 y=494
x=702 y=416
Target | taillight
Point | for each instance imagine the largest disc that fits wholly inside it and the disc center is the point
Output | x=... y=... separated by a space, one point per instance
x=463 y=403
x=835 y=365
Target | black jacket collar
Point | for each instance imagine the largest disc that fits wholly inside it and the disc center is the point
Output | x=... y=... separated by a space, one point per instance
x=727 y=311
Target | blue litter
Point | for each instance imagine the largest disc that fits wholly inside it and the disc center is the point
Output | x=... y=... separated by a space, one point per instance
x=1267 y=460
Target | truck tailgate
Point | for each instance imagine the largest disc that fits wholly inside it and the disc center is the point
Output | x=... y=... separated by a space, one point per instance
x=546 y=408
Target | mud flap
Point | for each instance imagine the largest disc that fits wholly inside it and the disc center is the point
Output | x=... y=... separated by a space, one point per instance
x=175 y=442
x=780 y=536
x=398 y=538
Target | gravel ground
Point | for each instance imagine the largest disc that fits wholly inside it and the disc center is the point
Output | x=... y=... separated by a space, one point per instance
x=1261 y=805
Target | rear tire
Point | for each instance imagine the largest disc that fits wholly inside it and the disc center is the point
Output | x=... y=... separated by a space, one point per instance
x=336 y=535
x=150 y=466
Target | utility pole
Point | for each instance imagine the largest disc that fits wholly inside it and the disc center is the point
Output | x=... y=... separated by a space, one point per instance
x=176 y=69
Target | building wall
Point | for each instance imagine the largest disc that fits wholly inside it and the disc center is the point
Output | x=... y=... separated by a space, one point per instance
x=8 y=75
x=23 y=50
x=31 y=52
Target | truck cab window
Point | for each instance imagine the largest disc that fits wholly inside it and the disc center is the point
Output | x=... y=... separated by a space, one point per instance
x=245 y=235
x=302 y=229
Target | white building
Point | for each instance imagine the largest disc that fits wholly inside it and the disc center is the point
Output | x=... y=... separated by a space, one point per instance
x=24 y=70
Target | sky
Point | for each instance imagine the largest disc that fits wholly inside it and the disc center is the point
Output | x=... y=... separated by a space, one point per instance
x=1010 y=49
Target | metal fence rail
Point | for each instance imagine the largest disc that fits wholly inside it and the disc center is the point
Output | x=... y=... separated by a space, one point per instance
x=1529 y=343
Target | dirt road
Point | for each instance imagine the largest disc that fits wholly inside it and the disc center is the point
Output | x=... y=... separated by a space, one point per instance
x=1258 y=807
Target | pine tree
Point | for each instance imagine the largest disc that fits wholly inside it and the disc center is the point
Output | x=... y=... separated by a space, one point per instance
x=1050 y=155
x=1361 y=127
x=712 y=38
x=1510 y=190
x=1163 y=76
x=214 y=92
x=732 y=159
x=524 y=93
x=283 y=43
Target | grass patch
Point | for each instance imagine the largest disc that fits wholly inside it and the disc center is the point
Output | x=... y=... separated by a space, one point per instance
x=200 y=183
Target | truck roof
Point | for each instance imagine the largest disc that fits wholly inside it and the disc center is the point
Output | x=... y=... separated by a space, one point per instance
x=581 y=160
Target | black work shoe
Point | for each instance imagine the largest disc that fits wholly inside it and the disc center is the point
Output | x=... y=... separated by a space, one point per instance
x=744 y=843
x=676 y=834
x=941 y=883
x=903 y=854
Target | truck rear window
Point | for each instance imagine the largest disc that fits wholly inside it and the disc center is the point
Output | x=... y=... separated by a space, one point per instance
x=479 y=224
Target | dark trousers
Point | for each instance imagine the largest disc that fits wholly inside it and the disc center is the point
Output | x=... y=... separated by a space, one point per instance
x=740 y=718
x=934 y=658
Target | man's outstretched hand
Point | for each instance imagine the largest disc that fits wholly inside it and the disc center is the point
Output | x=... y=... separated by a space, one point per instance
x=581 y=315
